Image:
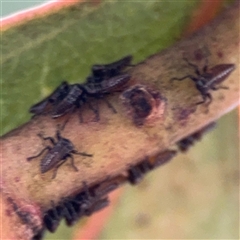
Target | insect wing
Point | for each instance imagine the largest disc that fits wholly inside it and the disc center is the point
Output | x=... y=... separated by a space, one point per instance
x=68 y=103
x=120 y=64
x=54 y=156
x=51 y=159
x=60 y=93
x=55 y=96
x=39 y=107
x=101 y=72
x=220 y=73
x=115 y=83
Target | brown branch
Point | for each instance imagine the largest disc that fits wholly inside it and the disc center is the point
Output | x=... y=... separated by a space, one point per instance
x=120 y=140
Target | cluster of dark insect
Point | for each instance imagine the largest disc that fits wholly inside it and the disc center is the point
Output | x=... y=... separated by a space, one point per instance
x=66 y=98
x=104 y=79
x=209 y=79
x=85 y=203
x=95 y=198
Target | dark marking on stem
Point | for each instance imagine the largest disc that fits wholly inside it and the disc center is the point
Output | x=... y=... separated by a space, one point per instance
x=142 y=103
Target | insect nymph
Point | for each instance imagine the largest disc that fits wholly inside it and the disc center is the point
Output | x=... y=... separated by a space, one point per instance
x=209 y=79
x=61 y=150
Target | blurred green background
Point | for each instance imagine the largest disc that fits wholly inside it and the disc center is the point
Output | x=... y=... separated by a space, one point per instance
x=193 y=197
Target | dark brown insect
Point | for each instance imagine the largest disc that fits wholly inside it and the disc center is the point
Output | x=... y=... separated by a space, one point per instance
x=136 y=173
x=52 y=100
x=72 y=99
x=57 y=154
x=99 y=90
x=187 y=142
x=53 y=217
x=102 y=72
x=209 y=79
x=80 y=93
x=107 y=86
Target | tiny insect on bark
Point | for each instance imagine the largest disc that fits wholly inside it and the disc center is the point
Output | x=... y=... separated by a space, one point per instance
x=107 y=86
x=53 y=217
x=61 y=150
x=136 y=173
x=209 y=79
x=98 y=90
x=53 y=99
x=101 y=72
x=187 y=142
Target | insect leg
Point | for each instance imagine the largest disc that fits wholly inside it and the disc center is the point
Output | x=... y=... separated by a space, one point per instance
x=56 y=168
x=205 y=96
x=214 y=88
x=180 y=79
x=47 y=138
x=96 y=111
x=79 y=103
x=82 y=153
x=205 y=67
x=30 y=158
x=58 y=135
x=193 y=65
x=209 y=96
x=110 y=105
x=72 y=162
x=80 y=116
x=67 y=120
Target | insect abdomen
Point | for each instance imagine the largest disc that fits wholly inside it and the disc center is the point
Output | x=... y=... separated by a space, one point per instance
x=50 y=160
x=220 y=73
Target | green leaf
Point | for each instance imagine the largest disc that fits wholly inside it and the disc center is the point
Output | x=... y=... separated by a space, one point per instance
x=38 y=55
